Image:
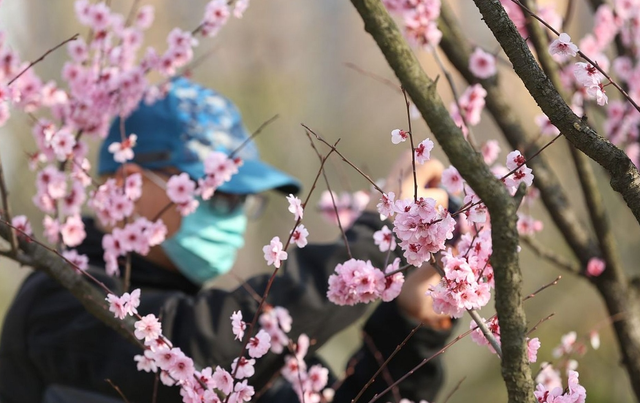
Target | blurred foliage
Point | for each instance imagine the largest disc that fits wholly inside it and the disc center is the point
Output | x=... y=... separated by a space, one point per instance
x=289 y=58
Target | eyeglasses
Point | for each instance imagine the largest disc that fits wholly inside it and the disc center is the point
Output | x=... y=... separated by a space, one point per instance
x=252 y=205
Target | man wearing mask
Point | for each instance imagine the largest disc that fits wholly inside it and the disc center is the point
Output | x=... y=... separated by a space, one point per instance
x=52 y=350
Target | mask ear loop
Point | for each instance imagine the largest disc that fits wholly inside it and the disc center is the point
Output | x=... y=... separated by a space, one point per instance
x=155 y=178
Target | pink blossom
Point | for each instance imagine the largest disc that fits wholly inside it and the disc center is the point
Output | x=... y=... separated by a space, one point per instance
x=144 y=17
x=563 y=46
x=452 y=181
x=295 y=207
x=386 y=205
x=299 y=236
x=586 y=74
x=595 y=267
x=546 y=127
x=490 y=151
x=273 y=252
x=222 y=380
x=259 y=344
x=133 y=186
x=51 y=229
x=349 y=206
x=21 y=223
x=398 y=136
x=118 y=305
x=385 y=239
x=81 y=262
x=597 y=92
x=180 y=188
x=62 y=144
x=482 y=64
x=148 y=328
x=532 y=349
x=182 y=368
x=516 y=162
x=123 y=152
x=318 y=377
x=240 y=7
x=238 y=325
x=78 y=50
x=423 y=151
x=393 y=282
x=242 y=392
x=420 y=31
x=528 y=225
x=355 y=281
x=73 y=231
x=146 y=362
x=245 y=367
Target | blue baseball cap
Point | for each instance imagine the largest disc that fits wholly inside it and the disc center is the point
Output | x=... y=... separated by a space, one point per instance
x=181 y=130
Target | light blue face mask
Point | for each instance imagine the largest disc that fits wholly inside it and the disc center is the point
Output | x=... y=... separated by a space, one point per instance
x=207 y=242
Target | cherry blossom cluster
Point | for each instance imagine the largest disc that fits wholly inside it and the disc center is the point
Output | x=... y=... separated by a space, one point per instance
x=573 y=393
x=466 y=284
x=472 y=103
x=420 y=20
x=421 y=226
x=356 y=281
x=308 y=383
x=104 y=78
x=349 y=205
x=533 y=345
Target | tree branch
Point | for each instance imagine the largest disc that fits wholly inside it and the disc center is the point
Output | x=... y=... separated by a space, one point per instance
x=520 y=137
x=625 y=178
x=502 y=208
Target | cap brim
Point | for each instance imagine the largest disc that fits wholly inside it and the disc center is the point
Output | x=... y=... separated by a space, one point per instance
x=253 y=177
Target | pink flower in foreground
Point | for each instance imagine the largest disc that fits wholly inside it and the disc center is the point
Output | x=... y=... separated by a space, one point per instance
x=452 y=180
x=532 y=349
x=586 y=74
x=295 y=207
x=482 y=64
x=72 y=231
x=242 y=392
x=386 y=205
x=299 y=236
x=595 y=267
x=259 y=344
x=123 y=152
x=393 y=282
x=117 y=305
x=273 y=252
x=222 y=380
x=238 y=325
x=563 y=46
x=21 y=222
x=384 y=239
x=423 y=151
x=398 y=136
x=148 y=328
x=245 y=368
x=146 y=362
x=180 y=188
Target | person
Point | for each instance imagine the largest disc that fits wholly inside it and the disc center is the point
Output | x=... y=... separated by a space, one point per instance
x=52 y=350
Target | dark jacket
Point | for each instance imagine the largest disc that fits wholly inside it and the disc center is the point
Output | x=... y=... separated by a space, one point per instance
x=49 y=339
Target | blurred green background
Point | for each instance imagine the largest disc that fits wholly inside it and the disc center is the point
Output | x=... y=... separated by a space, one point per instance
x=289 y=58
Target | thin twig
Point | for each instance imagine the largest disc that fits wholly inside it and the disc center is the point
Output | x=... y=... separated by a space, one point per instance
x=333 y=201
x=455 y=389
x=463 y=114
x=333 y=148
x=117 y=389
x=380 y=359
x=385 y=363
x=535 y=327
x=376 y=77
x=413 y=148
x=254 y=134
x=550 y=255
x=544 y=287
x=38 y=60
